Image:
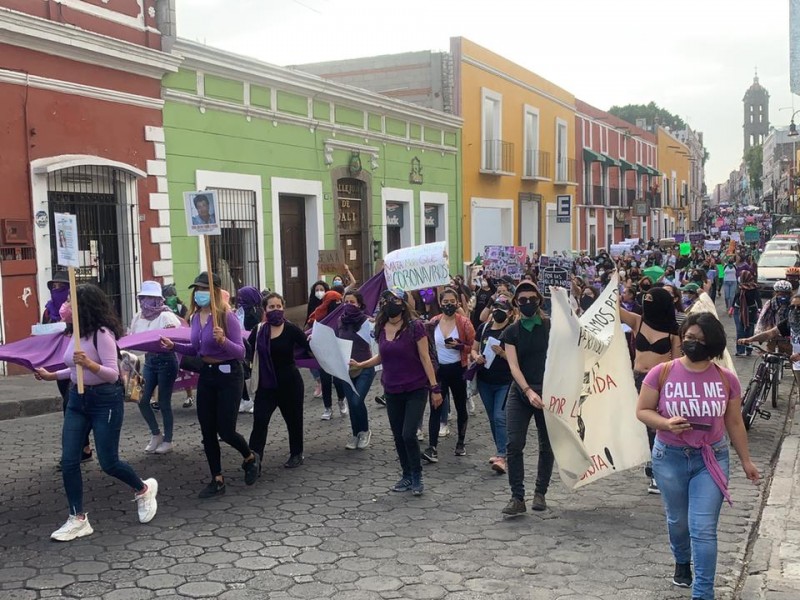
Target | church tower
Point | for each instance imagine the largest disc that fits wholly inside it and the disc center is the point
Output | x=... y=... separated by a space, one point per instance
x=756 y=114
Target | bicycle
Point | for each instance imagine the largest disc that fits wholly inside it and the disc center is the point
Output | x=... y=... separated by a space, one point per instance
x=766 y=379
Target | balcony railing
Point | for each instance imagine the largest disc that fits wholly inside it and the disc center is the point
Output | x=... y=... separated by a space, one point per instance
x=498 y=156
x=537 y=164
x=653 y=199
x=598 y=196
x=613 y=197
x=631 y=197
x=565 y=170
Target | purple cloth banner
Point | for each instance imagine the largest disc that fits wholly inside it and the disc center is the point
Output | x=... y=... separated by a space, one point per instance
x=37 y=351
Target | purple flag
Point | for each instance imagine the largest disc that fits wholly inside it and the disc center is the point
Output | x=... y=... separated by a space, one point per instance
x=37 y=351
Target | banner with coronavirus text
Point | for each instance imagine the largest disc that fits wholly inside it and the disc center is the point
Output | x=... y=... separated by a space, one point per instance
x=589 y=394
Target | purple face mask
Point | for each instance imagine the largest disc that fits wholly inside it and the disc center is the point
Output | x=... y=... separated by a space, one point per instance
x=151 y=307
x=427 y=296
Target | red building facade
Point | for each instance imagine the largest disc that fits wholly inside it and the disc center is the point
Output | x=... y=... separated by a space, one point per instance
x=617 y=163
x=80 y=116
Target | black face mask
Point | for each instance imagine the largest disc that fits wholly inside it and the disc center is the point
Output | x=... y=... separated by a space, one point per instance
x=695 y=351
x=644 y=287
x=586 y=302
x=499 y=316
x=529 y=309
x=449 y=309
x=393 y=310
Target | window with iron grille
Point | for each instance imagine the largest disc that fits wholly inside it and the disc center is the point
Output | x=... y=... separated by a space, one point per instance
x=235 y=253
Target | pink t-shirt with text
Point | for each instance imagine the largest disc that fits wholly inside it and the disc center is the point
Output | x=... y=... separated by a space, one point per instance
x=700 y=397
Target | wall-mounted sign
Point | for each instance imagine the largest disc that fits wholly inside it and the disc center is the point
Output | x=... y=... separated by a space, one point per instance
x=640 y=208
x=563 y=208
x=394 y=214
x=415 y=176
x=431 y=215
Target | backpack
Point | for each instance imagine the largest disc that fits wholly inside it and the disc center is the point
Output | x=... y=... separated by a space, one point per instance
x=130 y=375
x=662 y=377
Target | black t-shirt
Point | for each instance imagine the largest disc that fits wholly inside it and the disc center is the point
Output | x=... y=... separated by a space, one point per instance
x=482 y=299
x=531 y=347
x=281 y=348
x=499 y=373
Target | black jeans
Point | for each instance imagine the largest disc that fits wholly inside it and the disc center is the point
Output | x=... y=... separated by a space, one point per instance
x=63 y=389
x=288 y=398
x=405 y=411
x=218 y=396
x=451 y=378
x=638 y=378
x=518 y=418
x=329 y=383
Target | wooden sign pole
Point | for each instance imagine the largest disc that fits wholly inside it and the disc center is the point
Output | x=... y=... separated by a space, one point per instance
x=210 y=272
x=76 y=325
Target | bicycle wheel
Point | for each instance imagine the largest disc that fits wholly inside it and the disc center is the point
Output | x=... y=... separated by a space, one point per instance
x=750 y=402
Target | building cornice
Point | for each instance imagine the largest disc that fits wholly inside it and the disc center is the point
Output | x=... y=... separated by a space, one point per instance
x=203 y=103
x=67 y=41
x=226 y=64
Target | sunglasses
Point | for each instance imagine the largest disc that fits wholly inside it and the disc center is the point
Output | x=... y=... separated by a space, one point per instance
x=527 y=300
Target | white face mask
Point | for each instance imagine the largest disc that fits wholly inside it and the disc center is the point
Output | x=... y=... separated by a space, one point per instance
x=320 y=294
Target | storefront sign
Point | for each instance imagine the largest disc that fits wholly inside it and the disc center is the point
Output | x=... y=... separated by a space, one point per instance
x=417 y=267
x=431 y=215
x=640 y=208
x=563 y=208
x=394 y=214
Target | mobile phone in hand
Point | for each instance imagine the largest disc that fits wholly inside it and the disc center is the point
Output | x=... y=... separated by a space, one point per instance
x=700 y=426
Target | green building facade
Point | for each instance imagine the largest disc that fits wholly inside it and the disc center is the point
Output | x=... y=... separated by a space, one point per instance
x=301 y=165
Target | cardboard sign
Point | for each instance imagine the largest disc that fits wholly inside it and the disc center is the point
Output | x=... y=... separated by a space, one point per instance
x=554 y=271
x=686 y=248
x=499 y=261
x=67 y=248
x=591 y=420
x=417 y=267
x=331 y=261
x=202 y=213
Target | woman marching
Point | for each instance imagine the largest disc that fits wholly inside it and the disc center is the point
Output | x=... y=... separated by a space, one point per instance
x=276 y=380
x=217 y=340
x=408 y=377
x=330 y=302
x=690 y=455
x=99 y=409
x=160 y=368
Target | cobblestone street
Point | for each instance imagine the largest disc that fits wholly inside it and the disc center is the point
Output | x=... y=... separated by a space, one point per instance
x=331 y=528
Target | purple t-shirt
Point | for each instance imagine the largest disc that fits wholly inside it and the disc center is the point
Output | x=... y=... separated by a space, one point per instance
x=402 y=367
x=699 y=397
x=203 y=343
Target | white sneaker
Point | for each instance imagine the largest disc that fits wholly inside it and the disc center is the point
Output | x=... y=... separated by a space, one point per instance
x=146 y=503
x=342 y=407
x=444 y=430
x=246 y=406
x=420 y=435
x=471 y=405
x=74 y=528
x=155 y=442
x=353 y=443
x=364 y=438
x=326 y=414
x=164 y=448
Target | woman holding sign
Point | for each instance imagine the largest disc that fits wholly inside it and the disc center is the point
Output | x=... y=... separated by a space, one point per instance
x=217 y=339
x=408 y=378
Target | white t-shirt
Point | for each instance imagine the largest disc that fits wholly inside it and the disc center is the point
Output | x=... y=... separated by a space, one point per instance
x=446 y=356
x=163 y=321
x=729 y=275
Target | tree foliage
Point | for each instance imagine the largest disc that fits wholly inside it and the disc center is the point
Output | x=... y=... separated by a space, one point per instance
x=651 y=112
x=753 y=160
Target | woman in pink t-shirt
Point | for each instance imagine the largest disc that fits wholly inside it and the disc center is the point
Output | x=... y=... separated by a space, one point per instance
x=693 y=403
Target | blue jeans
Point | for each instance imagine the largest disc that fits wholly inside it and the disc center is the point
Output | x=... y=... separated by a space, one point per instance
x=692 y=502
x=494 y=401
x=729 y=291
x=359 y=421
x=159 y=370
x=99 y=409
x=742 y=331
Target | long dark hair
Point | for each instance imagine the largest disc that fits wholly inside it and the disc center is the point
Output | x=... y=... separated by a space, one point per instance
x=407 y=315
x=95 y=312
x=313 y=301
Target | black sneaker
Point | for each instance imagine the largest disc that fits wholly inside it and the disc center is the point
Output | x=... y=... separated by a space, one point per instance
x=431 y=455
x=515 y=506
x=85 y=458
x=154 y=406
x=252 y=469
x=294 y=461
x=381 y=400
x=539 y=503
x=648 y=470
x=460 y=450
x=683 y=575
x=417 y=486
x=214 y=488
x=403 y=485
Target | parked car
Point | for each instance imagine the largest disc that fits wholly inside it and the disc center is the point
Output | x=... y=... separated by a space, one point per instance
x=772 y=266
x=782 y=244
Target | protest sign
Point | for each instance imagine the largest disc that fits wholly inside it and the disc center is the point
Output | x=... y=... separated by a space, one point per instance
x=331 y=261
x=68 y=255
x=499 y=261
x=616 y=250
x=201 y=213
x=686 y=248
x=712 y=245
x=332 y=353
x=417 y=267
x=751 y=234
x=697 y=236
x=736 y=236
x=554 y=271
x=591 y=420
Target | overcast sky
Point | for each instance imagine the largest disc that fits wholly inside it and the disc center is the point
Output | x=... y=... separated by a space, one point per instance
x=694 y=57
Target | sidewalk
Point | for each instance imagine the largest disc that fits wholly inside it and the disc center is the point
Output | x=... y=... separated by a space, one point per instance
x=24 y=396
x=774 y=569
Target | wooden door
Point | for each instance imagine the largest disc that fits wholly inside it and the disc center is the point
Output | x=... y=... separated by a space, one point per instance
x=293 y=250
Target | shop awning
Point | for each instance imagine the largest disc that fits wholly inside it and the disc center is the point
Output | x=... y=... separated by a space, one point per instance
x=625 y=165
x=642 y=170
x=590 y=155
x=653 y=172
x=611 y=162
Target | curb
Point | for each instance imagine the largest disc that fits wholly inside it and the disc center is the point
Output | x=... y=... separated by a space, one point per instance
x=29 y=408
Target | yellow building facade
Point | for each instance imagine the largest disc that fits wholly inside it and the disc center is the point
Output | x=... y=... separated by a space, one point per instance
x=518 y=154
x=675 y=168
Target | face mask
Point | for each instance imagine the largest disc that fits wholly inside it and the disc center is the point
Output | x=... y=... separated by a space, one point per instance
x=499 y=315
x=449 y=309
x=337 y=282
x=586 y=302
x=319 y=294
x=686 y=300
x=695 y=351
x=202 y=299
x=783 y=300
x=393 y=310
x=645 y=286
x=275 y=317
x=529 y=310
x=351 y=310
x=172 y=302
x=622 y=274
x=65 y=312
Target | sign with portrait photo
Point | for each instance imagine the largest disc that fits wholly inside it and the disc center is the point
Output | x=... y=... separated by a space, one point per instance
x=202 y=216
x=67 y=248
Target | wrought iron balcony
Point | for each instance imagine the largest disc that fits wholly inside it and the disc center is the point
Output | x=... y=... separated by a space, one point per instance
x=565 y=171
x=498 y=157
x=537 y=164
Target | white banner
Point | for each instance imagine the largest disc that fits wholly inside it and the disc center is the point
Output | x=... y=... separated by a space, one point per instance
x=591 y=420
x=417 y=267
x=332 y=353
